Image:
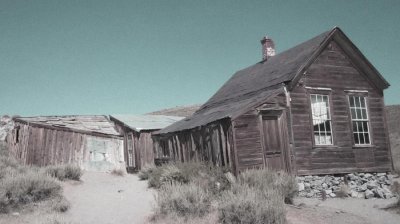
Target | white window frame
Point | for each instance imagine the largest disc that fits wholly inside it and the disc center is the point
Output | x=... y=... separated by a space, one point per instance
x=360 y=120
x=328 y=118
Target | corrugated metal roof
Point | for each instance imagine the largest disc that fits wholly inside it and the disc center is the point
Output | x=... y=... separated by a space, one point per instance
x=180 y=111
x=146 y=122
x=85 y=123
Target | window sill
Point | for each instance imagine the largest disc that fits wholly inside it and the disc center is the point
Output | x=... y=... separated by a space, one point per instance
x=363 y=146
x=325 y=146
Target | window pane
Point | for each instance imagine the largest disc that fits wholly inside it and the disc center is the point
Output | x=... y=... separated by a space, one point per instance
x=316 y=138
x=363 y=114
x=365 y=124
x=366 y=137
x=359 y=126
x=358 y=115
x=362 y=102
x=354 y=126
x=357 y=99
x=328 y=126
x=329 y=139
x=361 y=136
x=353 y=113
x=356 y=140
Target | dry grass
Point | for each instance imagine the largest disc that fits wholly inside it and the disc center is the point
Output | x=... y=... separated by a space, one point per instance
x=199 y=193
x=21 y=185
x=118 y=172
x=64 y=172
x=182 y=200
x=245 y=204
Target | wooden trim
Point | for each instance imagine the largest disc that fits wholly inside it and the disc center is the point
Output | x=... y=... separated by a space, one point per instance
x=236 y=171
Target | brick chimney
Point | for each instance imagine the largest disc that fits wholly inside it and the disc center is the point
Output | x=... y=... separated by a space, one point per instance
x=268 y=47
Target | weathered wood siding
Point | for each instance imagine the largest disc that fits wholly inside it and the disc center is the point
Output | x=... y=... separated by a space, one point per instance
x=146 y=147
x=332 y=69
x=212 y=143
x=44 y=146
x=247 y=134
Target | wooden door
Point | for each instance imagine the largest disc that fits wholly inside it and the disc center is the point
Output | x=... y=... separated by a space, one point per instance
x=273 y=143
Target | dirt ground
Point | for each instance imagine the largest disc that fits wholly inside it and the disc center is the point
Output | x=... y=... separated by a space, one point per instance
x=343 y=211
x=102 y=198
x=99 y=198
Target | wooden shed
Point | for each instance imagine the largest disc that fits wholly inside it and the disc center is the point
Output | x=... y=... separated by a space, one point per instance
x=137 y=130
x=317 y=108
x=393 y=120
x=90 y=142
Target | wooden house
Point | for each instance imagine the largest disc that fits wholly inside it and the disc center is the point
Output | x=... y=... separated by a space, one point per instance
x=90 y=142
x=137 y=130
x=317 y=108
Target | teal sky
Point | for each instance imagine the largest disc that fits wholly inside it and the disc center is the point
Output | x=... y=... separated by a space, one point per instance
x=131 y=57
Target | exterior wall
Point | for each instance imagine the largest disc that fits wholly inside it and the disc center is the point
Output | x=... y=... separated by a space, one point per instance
x=332 y=69
x=146 y=147
x=43 y=146
x=247 y=135
x=213 y=143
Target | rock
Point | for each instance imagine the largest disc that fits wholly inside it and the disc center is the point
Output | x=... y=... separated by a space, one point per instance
x=310 y=195
x=15 y=213
x=368 y=175
x=308 y=178
x=324 y=186
x=328 y=192
x=372 y=185
x=369 y=194
x=354 y=194
x=351 y=176
x=332 y=195
x=380 y=174
x=335 y=182
x=307 y=186
x=301 y=186
x=378 y=193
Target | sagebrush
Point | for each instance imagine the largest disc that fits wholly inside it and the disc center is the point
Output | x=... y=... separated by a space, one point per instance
x=183 y=200
x=246 y=204
x=63 y=172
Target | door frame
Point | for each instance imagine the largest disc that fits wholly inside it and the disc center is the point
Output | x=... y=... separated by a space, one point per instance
x=280 y=115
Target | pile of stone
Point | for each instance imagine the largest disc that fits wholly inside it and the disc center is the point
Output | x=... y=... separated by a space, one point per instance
x=357 y=185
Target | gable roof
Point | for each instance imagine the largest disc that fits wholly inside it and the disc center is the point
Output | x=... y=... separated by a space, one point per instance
x=145 y=122
x=253 y=85
x=86 y=124
x=180 y=111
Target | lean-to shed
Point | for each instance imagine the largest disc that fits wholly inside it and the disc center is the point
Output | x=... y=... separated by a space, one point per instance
x=316 y=108
x=90 y=142
x=137 y=130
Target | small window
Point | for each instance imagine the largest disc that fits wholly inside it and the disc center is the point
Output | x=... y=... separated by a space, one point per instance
x=321 y=119
x=359 y=120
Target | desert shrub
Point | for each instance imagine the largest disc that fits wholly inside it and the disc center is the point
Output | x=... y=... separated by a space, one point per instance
x=25 y=188
x=63 y=172
x=183 y=200
x=246 y=204
x=264 y=179
x=118 y=172
x=146 y=171
x=60 y=204
x=206 y=175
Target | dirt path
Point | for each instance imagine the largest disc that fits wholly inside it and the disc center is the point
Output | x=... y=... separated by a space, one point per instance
x=103 y=198
x=344 y=211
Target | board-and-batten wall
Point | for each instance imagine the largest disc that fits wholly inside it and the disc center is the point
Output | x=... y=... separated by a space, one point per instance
x=138 y=146
x=332 y=69
x=213 y=143
x=40 y=146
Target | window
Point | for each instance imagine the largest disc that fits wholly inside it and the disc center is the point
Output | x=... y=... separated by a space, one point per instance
x=321 y=119
x=359 y=120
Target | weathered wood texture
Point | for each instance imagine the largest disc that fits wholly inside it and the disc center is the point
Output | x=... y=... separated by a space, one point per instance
x=393 y=121
x=212 y=143
x=248 y=131
x=138 y=147
x=332 y=69
x=33 y=145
